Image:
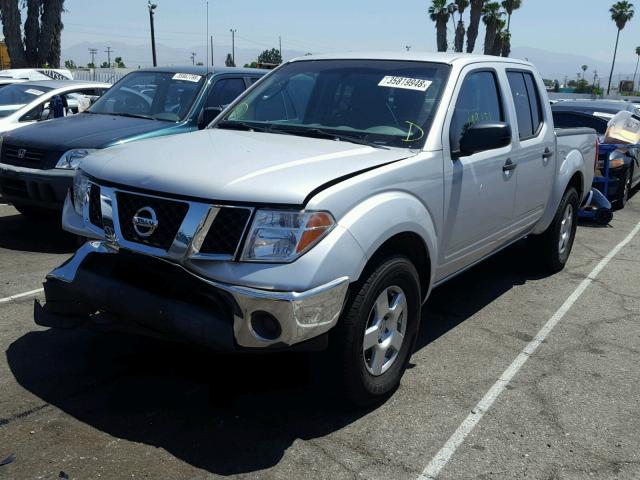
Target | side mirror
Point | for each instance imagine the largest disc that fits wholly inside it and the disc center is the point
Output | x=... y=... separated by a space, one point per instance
x=484 y=136
x=207 y=115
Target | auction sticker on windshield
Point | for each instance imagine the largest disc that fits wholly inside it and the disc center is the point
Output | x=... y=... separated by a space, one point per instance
x=187 y=76
x=33 y=91
x=406 y=83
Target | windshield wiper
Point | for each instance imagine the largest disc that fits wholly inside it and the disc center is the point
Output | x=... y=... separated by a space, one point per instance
x=251 y=127
x=320 y=133
x=242 y=126
x=134 y=115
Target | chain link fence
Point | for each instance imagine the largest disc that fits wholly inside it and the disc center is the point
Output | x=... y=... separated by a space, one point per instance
x=106 y=75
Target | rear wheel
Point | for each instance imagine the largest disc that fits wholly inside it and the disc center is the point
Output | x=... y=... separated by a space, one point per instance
x=626 y=189
x=553 y=247
x=376 y=335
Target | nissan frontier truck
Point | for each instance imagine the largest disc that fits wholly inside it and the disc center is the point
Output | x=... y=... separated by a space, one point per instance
x=320 y=209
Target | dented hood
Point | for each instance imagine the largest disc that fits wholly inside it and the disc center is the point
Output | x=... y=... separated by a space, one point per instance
x=228 y=165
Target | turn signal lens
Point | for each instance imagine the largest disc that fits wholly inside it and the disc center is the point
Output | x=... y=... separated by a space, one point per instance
x=316 y=227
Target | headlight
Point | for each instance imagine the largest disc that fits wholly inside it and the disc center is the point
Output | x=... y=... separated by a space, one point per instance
x=81 y=186
x=71 y=160
x=281 y=236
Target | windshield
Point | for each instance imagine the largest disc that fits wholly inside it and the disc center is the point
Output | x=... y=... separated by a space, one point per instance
x=388 y=103
x=164 y=96
x=14 y=97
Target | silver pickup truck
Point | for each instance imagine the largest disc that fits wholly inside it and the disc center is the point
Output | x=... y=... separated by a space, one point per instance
x=320 y=209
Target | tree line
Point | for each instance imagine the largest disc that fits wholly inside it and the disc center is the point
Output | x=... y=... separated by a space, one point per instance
x=496 y=17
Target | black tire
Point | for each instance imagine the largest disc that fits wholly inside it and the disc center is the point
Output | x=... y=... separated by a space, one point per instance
x=357 y=383
x=626 y=189
x=552 y=256
x=37 y=213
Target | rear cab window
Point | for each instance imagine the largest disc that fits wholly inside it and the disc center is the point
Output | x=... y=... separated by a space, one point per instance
x=526 y=100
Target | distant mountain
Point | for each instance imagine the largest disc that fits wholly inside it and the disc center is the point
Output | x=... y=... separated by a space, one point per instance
x=140 y=55
x=555 y=65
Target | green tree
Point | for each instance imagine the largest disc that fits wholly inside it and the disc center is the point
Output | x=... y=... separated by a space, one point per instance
x=229 y=61
x=509 y=6
x=38 y=43
x=474 y=23
x=91 y=65
x=119 y=62
x=556 y=86
x=270 y=56
x=105 y=65
x=584 y=69
x=439 y=13
x=621 y=13
x=70 y=64
x=491 y=17
x=501 y=38
x=636 y=71
x=460 y=30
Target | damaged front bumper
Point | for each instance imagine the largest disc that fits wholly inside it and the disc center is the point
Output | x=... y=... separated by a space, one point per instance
x=118 y=290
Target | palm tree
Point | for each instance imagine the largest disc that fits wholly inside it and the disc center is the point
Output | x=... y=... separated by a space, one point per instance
x=474 y=23
x=460 y=30
x=439 y=13
x=491 y=16
x=635 y=73
x=509 y=7
x=621 y=13
x=501 y=37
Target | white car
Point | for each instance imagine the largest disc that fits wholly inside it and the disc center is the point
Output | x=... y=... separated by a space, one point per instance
x=28 y=102
x=20 y=75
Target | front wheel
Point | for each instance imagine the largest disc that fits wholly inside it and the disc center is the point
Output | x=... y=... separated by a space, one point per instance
x=553 y=247
x=376 y=335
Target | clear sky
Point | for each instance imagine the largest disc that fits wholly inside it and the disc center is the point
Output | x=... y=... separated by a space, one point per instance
x=568 y=26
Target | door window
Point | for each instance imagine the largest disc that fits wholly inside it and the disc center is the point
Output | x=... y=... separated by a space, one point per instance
x=526 y=99
x=225 y=91
x=478 y=101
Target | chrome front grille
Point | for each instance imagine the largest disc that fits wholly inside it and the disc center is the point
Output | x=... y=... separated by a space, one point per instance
x=182 y=228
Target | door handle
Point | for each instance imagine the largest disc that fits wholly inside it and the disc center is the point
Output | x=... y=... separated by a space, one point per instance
x=547 y=153
x=509 y=165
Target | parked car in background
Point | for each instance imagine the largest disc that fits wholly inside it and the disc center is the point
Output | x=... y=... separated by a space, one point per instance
x=623 y=162
x=321 y=208
x=145 y=103
x=19 y=75
x=25 y=103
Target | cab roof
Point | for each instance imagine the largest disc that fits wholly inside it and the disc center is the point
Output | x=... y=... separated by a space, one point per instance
x=203 y=70
x=416 y=56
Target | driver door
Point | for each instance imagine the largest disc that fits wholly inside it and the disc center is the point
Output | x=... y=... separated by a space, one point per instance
x=479 y=191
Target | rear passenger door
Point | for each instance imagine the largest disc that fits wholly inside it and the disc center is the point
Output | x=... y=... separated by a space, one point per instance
x=534 y=152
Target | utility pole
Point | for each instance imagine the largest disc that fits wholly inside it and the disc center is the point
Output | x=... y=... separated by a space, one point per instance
x=108 y=52
x=93 y=52
x=193 y=58
x=280 y=43
x=152 y=7
x=233 y=45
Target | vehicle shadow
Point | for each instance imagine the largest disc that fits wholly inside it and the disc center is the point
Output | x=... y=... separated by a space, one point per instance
x=225 y=414
x=18 y=232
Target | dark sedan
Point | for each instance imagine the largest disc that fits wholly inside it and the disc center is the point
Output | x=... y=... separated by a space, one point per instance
x=624 y=163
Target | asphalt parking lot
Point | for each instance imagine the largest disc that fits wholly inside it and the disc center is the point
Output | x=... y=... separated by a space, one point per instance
x=83 y=405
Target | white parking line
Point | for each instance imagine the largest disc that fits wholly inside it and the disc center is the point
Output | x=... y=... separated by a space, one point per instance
x=21 y=295
x=437 y=463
